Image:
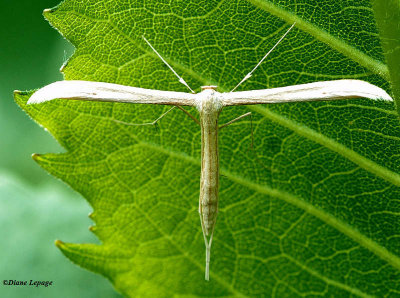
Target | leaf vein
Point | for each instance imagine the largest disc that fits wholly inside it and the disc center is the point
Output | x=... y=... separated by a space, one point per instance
x=366 y=61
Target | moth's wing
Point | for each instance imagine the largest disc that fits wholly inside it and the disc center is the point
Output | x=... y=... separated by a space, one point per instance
x=98 y=91
x=329 y=90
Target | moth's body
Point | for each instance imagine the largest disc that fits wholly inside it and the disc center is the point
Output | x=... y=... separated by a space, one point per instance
x=209 y=107
x=208 y=201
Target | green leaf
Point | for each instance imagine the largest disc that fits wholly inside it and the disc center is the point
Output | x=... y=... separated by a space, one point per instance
x=312 y=209
x=387 y=14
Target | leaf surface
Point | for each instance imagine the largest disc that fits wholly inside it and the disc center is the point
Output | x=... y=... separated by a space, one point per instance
x=387 y=16
x=312 y=209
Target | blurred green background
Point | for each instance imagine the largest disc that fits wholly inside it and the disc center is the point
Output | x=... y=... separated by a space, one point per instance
x=35 y=208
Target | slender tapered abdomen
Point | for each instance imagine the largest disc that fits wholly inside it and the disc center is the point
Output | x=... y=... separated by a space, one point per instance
x=209 y=106
x=208 y=203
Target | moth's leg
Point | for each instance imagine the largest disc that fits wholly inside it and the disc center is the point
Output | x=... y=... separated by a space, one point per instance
x=252 y=135
x=208 y=253
x=190 y=115
x=208 y=247
x=252 y=144
x=234 y=120
x=251 y=125
x=159 y=118
x=147 y=123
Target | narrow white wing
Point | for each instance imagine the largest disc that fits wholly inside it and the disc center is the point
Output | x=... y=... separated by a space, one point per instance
x=330 y=90
x=97 y=91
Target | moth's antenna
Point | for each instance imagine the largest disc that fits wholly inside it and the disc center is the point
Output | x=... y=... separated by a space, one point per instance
x=181 y=80
x=261 y=61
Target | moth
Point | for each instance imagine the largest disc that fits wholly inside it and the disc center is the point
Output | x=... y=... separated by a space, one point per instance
x=209 y=103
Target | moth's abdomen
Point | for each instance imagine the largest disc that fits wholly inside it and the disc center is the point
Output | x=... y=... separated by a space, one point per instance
x=208 y=201
x=209 y=172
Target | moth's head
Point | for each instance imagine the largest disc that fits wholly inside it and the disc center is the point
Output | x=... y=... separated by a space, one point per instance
x=208 y=100
x=212 y=87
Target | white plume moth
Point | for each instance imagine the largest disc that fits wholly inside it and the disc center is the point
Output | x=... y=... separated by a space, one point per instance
x=209 y=104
